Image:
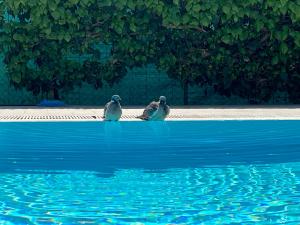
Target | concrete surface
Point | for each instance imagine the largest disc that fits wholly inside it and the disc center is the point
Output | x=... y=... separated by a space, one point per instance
x=74 y=113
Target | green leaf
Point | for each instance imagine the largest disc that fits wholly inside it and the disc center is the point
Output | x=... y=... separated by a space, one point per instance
x=119 y=29
x=296 y=36
x=60 y=36
x=226 y=39
x=48 y=31
x=284 y=48
x=205 y=21
x=295 y=9
x=259 y=25
x=74 y=2
x=67 y=37
x=226 y=9
x=44 y=2
x=186 y=19
x=275 y=60
x=131 y=4
x=196 y=8
x=160 y=8
x=32 y=3
x=17 y=37
x=283 y=34
x=132 y=27
x=52 y=5
x=283 y=2
x=16 y=77
x=55 y=15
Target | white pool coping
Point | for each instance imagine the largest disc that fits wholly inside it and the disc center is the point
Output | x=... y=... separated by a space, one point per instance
x=79 y=113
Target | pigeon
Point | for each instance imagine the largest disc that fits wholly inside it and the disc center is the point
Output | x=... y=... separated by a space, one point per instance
x=113 y=110
x=156 y=110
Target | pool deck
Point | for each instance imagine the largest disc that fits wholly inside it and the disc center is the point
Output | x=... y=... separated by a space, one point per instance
x=80 y=113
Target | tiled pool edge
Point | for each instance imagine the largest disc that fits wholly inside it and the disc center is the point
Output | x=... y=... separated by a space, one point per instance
x=31 y=114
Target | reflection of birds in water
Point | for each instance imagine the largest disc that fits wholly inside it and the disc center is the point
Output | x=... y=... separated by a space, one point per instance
x=113 y=110
x=156 y=110
x=112 y=134
x=160 y=130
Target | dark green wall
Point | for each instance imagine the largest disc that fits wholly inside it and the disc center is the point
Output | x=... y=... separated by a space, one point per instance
x=138 y=87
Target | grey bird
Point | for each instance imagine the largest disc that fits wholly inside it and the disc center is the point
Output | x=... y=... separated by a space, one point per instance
x=156 y=110
x=113 y=110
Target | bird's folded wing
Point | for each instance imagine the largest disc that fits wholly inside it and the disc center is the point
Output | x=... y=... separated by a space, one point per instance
x=105 y=109
x=150 y=109
x=167 y=110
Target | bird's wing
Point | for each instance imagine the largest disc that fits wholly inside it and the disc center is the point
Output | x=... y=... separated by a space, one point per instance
x=149 y=110
x=105 y=109
x=167 y=110
x=161 y=113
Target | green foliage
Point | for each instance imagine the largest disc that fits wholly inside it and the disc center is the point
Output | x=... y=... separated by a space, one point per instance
x=49 y=45
x=245 y=48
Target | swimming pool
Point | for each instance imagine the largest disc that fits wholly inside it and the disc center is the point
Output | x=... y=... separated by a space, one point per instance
x=187 y=172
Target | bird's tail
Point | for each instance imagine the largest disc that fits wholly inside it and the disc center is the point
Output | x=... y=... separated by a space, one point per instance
x=142 y=117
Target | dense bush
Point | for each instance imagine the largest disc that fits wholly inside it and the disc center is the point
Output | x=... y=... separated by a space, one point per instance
x=245 y=48
x=49 y=45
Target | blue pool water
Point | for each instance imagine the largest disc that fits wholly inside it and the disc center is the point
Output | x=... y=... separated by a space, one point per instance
x=197 y=172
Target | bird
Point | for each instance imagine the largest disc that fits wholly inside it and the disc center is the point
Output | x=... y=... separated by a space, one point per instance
x=156 y=110
x=113 y=110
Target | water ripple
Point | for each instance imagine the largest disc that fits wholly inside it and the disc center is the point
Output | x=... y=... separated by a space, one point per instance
x=229 y=172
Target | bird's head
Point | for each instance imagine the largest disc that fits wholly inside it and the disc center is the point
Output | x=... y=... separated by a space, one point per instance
x=116 y=98
x=162 y=100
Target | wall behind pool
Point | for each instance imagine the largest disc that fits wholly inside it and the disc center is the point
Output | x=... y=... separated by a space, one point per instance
x=138 y=87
